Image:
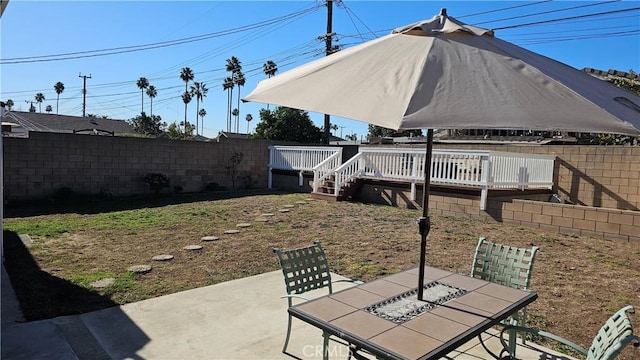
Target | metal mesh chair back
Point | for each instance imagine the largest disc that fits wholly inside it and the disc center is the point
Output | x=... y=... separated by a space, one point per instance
x=613 y=336
x=502 y=264
x=304 y=269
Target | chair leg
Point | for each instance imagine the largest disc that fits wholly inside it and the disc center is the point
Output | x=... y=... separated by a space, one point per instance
x=286 y=340
x=325 y=345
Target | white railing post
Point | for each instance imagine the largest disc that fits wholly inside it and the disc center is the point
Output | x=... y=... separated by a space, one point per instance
x=485 y=175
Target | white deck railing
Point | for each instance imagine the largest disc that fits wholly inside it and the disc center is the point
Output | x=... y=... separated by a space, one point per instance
x=301 y=159
x=472 y=168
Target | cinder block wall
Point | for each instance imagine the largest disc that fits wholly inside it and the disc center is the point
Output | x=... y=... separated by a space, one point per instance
x=38 y=166
x=535 y=212
x=599 y=176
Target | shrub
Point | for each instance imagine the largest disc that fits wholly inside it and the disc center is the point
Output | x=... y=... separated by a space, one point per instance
x=157 y=181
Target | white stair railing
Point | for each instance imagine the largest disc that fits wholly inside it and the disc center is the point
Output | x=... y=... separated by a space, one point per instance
x=351 y=169
x=325 y=169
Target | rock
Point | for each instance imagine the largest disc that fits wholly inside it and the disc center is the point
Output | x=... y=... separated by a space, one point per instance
x=234 y=231
x=163 y=257
x=192 y=247
x=243 y=225
x=103 y=283
x=284 y=210
x=140 y=269
x=268 y=214
x=261 y=219
x=209 y=238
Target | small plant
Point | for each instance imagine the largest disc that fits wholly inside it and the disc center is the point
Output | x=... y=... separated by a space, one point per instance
x=248 y=180
x=232 y=167
x=157 y=182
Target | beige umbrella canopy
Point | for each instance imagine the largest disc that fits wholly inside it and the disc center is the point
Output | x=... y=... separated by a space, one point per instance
x=444 y=74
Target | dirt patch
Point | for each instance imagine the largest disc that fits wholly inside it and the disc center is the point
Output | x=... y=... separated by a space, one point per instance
x=580 y=280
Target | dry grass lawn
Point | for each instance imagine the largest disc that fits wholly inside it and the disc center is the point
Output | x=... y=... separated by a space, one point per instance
x=580 y=280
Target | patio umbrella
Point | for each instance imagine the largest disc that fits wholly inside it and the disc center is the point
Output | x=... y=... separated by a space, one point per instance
x=444 y=74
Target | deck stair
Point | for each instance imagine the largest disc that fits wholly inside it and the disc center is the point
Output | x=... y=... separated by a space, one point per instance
x=326 y=190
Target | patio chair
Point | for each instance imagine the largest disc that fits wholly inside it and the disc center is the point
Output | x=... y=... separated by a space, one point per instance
x=305 y=269
x=612 y=338
x=505 y=265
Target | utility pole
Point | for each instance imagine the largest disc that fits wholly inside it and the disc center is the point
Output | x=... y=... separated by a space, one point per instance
x=328 y=51
x=84 y=92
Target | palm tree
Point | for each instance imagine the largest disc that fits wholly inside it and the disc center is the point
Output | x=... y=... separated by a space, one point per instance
x=235 y=113
x=234 y=67
x=202 y=113
x=228 y=85
x=39 y=99
x=48 y=109
x=269 y=68
x=142 y=83
x=9 y=104
x=199 y=91
x=249 y=117
x=151 y=93
x=186 y=98
x=186 y=75
x=239 y=80
x=59 y=88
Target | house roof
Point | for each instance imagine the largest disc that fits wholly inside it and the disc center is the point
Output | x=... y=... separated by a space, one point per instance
x=40 y=122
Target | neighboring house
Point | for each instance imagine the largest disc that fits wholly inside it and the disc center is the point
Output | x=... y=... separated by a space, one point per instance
x=230 y=135
x=28 y=121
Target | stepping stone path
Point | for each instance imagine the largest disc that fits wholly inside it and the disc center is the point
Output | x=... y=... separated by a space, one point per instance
x=289 y=206
x=192 y=247
x=243 y=225
x=268 y=214
x=284 y=210
x=209 y=238
x=233 y=231
x=140 y=269
x=103 y=283
x=301 y=202
x=163 y=257
x=261 y=219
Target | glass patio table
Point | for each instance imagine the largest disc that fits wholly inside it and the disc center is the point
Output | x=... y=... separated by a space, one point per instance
x=384 y=317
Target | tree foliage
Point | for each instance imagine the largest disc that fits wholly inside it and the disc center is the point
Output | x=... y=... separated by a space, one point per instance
x=378 y=131
x=147 y=125
x=174 y=132
x=287 y=124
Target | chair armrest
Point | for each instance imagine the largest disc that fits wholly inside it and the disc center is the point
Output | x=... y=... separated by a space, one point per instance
x=294 y=296
x=537 y=332
x=358 y=282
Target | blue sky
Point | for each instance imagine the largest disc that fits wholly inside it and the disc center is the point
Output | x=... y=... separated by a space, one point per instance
x=285 y=32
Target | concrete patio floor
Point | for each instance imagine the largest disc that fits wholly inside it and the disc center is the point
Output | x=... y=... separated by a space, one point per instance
x=240 y=319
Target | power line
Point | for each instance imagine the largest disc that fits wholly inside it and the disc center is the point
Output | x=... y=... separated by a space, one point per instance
x=503 y=9
x=567 y=18
x=135 y=48
x=548 y=12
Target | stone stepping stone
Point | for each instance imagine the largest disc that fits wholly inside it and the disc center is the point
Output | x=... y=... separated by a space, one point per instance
x=233 y=231
x=261 y=219
x=243 y=225
x=289 y=206
x=309 y=199
x=163 y=257
x=103 y=283
x=284 y=210
x=301 y=202
x=209 y=238
x=192 y=247
x=140 y=269
x=268 y=214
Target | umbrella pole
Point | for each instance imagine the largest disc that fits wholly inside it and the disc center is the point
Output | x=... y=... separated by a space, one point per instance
x=424 y=224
